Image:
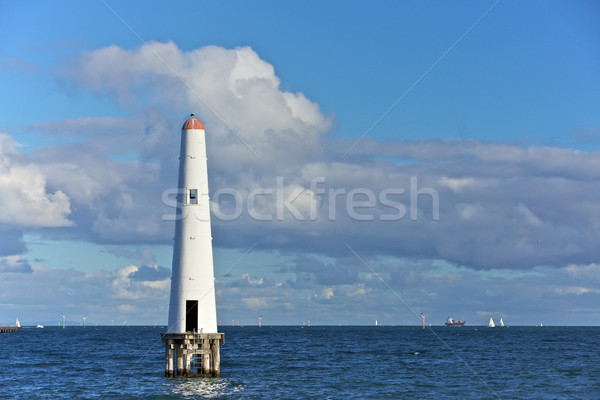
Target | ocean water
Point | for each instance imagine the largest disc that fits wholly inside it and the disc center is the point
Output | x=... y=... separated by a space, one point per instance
x=309 y=362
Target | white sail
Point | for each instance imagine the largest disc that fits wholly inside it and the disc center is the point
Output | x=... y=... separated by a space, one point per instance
x=491 y=324
x=18 y=324
x=501 y=322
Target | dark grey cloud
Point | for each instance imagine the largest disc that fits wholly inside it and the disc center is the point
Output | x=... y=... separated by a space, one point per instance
x=500 y=206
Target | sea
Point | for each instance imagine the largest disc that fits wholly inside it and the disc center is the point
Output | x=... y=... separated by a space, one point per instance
x=317 y=362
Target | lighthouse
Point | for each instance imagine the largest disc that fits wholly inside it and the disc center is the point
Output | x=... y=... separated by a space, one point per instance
x=192 y=304
x=192 y=340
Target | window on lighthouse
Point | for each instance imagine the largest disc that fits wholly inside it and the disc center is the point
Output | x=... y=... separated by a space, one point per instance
x=193 y=196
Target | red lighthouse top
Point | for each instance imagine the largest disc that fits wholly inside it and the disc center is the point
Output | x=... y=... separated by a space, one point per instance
x=192 y=123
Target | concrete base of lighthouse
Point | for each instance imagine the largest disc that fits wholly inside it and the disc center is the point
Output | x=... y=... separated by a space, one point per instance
x=193 y=354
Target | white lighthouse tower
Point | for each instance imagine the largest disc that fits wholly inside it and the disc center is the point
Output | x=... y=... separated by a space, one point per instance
x=192 y=305
x=192 y=329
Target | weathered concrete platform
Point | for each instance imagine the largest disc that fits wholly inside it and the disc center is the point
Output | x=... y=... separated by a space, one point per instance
x=193 y=354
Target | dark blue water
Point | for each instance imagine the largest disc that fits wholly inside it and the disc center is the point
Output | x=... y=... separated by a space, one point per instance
x=315 y=362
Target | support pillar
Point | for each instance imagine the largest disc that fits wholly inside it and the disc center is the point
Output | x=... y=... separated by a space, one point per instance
x=188 y=363
x=179 y=360
x=216 y=358
x=169 y=359
x=206 y=370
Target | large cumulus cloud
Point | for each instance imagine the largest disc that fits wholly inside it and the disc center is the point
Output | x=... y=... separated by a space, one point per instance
x=252 y=120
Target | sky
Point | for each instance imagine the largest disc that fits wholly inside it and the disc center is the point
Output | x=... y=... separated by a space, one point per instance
x=367 y=161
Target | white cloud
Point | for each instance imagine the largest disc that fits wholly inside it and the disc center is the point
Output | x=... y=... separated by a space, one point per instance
x=456 y=184
x=127 y=288
x=251 y=281
x=468 y=211
x=589 y=271
x=327 y=293
x=24 y=199
x=14 y=264
x=357 y=290
x=576 y=290
x=163 y=285
x=250 y=67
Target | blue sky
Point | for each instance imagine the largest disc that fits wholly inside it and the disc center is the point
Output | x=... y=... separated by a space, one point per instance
x=490 y=106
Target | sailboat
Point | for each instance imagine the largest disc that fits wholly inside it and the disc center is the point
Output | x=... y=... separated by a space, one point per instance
x=18 y=324
x=491 y=324
x=501 y=322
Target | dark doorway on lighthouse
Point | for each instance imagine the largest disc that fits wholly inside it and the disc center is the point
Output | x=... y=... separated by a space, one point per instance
x=191 y=315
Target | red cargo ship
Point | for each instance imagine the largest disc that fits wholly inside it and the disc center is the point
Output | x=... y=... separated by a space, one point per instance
x=453 y=322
